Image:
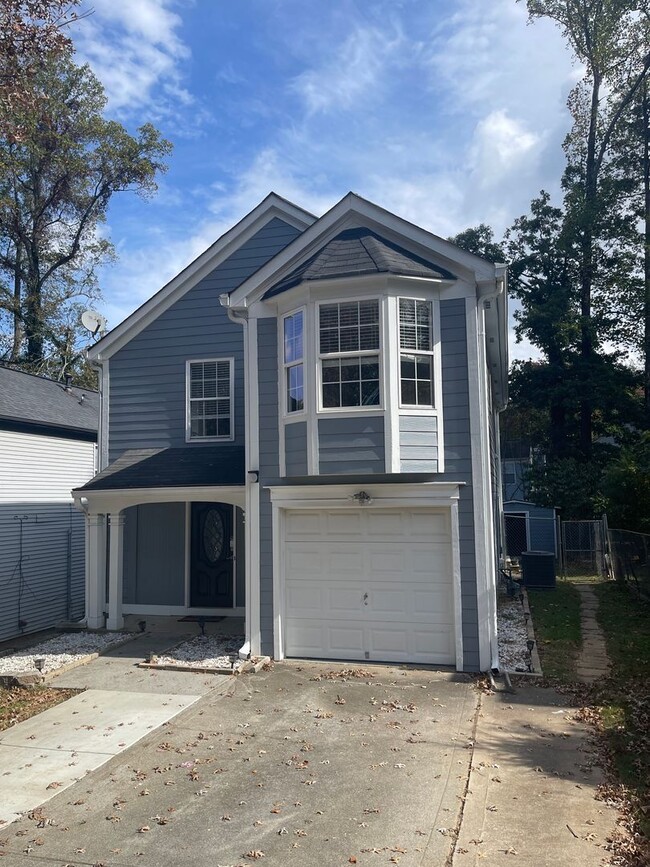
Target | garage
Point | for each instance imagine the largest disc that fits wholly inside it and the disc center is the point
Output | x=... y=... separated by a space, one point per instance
x=369 y=584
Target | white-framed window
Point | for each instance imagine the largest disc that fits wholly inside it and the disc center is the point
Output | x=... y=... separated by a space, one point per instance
x=349 y=349
x=293 y=338
x=416 y=353
x=210 y=411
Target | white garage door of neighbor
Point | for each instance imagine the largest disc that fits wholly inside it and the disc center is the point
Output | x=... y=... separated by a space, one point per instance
x=370 y=584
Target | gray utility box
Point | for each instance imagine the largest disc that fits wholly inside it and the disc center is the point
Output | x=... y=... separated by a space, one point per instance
x=538 y=569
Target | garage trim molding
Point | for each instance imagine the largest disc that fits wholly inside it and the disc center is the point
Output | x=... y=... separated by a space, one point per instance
x=423 y=495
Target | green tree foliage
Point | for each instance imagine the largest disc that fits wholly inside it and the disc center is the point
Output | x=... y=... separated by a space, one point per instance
x=480 y=241
x=626 y=487
x=57 y=177
x=605 y=36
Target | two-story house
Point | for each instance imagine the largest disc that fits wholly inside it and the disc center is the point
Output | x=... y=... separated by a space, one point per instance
x=301 y=429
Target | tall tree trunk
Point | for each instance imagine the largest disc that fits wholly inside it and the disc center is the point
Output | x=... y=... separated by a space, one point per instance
x=17 y=340
x=587 y=269
x=645 y=113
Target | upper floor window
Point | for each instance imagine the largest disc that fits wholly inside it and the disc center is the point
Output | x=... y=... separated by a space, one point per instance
x=293 y=361
x=210 y=399
x=416 y=353
x=349 y=352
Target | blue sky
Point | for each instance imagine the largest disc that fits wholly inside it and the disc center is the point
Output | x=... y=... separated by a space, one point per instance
x=447 y=112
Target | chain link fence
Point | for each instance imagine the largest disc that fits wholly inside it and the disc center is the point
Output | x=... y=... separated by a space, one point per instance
x=583 y=549
x=630 y=559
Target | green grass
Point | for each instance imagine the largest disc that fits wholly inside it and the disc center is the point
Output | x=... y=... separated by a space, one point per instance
x=625 y=697
x=556 y=619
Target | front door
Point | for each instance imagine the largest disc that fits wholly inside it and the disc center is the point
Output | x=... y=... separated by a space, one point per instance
x=211 y=557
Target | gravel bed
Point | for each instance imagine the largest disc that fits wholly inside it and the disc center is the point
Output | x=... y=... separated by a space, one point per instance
x=204 y=651
x=59 y=651
x=511 y=625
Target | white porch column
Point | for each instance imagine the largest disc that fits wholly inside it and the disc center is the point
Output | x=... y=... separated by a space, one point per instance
x=115 y=561
x=95 y=570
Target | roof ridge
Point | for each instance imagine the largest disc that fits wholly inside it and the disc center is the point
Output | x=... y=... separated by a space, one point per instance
x=365 y=247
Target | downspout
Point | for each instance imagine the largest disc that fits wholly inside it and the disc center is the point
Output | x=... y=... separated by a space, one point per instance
x=490 y=292
x=239 y=315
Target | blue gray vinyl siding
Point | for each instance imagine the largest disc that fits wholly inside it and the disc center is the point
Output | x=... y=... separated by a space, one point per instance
x=46 y=585
x=147 y=376
x=267 y=365
x=418 y=443
x=458 y=461
x=351 y=445
x=295 y=448
x=154 y=554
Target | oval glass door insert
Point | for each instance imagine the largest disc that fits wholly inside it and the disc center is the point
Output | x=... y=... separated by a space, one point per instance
x=213 y=535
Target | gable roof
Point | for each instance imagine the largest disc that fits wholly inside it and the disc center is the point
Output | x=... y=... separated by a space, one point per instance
x=33 y=401
x=270 y=208
x=354 y=211
x=358 y=251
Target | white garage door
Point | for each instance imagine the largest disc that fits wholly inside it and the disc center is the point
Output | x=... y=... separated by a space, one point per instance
x=369 y=584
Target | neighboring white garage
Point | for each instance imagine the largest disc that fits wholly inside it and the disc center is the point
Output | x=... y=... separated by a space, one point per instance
x=369 y=583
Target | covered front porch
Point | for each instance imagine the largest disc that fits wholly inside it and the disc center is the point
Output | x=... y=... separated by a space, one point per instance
x=173 y=551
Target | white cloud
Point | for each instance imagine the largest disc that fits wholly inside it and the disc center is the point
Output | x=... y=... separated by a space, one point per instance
x=501 y=146
x=135 y=51
x=348 y=76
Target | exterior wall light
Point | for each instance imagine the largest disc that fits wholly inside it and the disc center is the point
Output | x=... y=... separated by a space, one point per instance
x=362 y=498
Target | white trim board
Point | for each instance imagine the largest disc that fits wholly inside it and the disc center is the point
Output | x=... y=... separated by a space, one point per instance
x=171 y=610
x=104 y=502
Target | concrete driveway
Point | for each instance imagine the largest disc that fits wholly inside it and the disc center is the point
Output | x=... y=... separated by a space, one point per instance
x=306 y=764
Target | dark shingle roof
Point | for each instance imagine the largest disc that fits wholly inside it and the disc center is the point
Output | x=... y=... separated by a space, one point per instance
x=354 y=252
x=34 y=400
x=192 y=466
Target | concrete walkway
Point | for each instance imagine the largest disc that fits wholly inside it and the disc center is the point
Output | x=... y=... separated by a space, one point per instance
x=593 y=663
x=532 y=787
x=121 y=704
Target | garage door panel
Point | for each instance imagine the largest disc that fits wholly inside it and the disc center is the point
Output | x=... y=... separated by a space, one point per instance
x=335 y=640
x=343 y=524
x=310 y=600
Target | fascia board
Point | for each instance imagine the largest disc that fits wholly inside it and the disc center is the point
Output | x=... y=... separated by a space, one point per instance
x=353 y=210
x=273 y=206
x=116 y=499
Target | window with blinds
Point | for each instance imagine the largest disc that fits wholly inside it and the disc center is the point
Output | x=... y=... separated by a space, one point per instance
x=210 y=399
x=416 y=353
x=349 y=354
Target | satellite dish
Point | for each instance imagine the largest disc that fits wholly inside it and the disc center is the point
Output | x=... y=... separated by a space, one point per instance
x=93 y=321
